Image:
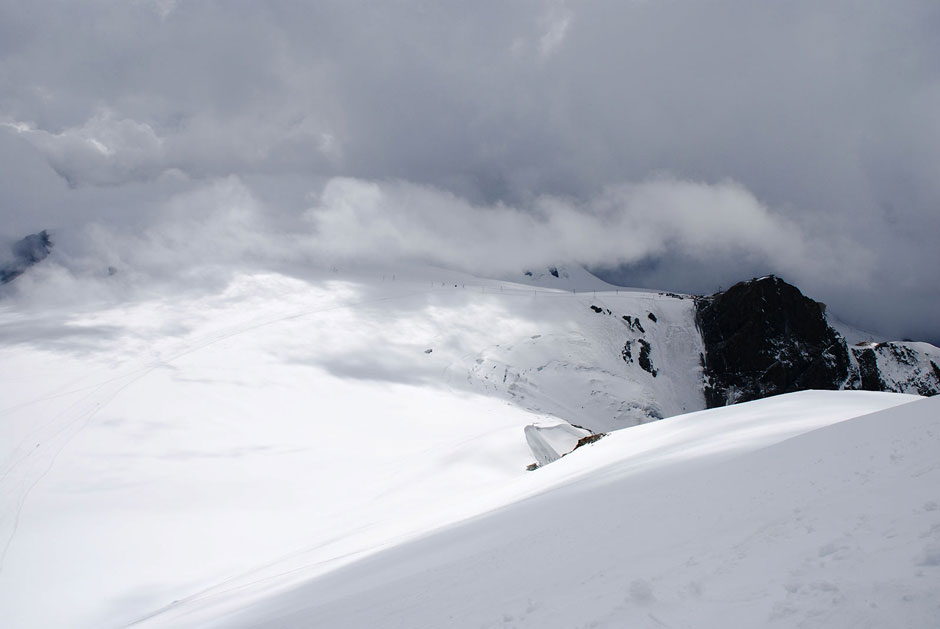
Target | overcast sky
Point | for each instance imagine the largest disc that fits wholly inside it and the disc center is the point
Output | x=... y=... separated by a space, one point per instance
x=686 y=144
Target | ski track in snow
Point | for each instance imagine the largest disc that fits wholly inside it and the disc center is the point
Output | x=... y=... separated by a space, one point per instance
x=28 y=465
x=52 y=437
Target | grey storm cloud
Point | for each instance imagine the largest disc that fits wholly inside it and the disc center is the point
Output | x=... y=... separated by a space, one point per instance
x=681 y=144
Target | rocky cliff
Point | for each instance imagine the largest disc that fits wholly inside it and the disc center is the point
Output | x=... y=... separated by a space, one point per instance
x=764 y=337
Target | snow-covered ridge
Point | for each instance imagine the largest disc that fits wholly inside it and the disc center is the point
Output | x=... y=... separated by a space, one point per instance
x=753 y=514
x=606 y=361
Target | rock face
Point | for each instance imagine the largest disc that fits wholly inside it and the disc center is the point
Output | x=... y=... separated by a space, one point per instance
x=903 y=367
x=764 y=337
x=26 y=252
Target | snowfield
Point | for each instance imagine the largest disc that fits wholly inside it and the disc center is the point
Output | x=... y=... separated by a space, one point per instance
x=675 y=527
x=288 y=452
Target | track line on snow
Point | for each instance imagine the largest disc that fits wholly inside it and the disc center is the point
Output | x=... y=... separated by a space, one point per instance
x=135 y=375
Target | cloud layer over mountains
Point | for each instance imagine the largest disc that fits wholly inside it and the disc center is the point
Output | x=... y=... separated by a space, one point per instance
x=680 y=144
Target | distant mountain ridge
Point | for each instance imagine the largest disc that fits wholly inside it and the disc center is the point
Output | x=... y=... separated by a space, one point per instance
x=636 y=357
x=620 y=357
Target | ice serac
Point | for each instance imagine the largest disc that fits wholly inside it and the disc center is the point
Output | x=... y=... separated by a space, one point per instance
x=26 y=252
x=550 y=443
x=764 y=337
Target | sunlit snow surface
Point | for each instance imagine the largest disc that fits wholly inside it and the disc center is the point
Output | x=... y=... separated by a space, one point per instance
x=675 y=526
x=273 y=453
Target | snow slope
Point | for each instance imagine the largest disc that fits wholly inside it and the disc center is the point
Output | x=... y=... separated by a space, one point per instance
x=238 y=442
x=771 y=513
x=155 y=447
x=581 y=368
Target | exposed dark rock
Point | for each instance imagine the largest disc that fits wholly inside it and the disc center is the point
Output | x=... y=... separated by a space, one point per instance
x=634 y=323
x=553 y=270
x=869 y=376
x=583 y=441
x=763 y=337
x=646 y=364
x=26 y=252
x=902 y=354
x=896 y=367
x=597 y=309
x=652 y=317
x=627 y=352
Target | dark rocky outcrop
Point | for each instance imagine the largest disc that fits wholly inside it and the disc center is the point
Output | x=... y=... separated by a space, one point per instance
x=764 y=337
x=869 y=378
x=644 y=360
x=896 y=367
x=26 y=252
x=634 y=323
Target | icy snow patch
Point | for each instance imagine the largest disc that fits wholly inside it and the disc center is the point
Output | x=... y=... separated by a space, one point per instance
x=550 y=443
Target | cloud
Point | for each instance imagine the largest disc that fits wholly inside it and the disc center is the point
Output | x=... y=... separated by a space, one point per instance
x=801 y=138
x=103 y=151
x=555 y=25
x=625 y=224
x=107 y=151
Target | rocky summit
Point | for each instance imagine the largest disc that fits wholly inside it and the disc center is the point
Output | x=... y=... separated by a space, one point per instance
x=763 y=337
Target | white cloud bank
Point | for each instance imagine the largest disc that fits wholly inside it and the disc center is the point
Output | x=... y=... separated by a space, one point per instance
x=625 y=224
x=802 y=138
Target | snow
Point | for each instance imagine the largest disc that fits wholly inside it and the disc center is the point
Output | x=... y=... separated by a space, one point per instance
x=794 y=518
x=574 y=367
x=904 y=365
x=572 y=278
x=550 y=443
x=223 y=448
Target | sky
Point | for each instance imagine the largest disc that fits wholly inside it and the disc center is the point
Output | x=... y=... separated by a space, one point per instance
x=675 y=144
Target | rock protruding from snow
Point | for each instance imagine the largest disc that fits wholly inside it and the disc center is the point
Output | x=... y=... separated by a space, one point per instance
x=26 y=252
x=550 y=443
x=763 y=337
x=901 y=367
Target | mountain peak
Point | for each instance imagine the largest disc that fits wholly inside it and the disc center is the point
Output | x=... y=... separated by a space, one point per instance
x=26 y=252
